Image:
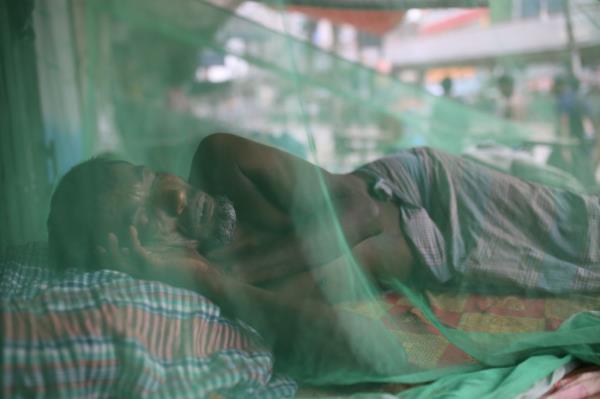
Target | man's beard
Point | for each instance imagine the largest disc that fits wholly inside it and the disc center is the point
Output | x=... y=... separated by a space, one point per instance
x=224 y=224
x=222 y=227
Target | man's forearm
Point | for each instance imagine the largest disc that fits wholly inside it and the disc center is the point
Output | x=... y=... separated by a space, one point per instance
x=309 y=338
x=279 y=319
x=308 y=246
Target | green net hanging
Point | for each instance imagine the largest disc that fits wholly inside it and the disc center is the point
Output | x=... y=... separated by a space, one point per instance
x=504 y=274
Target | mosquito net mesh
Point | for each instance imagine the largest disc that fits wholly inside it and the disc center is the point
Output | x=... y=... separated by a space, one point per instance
x=503 y=288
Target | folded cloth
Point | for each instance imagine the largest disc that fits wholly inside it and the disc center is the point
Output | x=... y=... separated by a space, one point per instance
x=105 y=334
x=470 y=225
x=582 y=383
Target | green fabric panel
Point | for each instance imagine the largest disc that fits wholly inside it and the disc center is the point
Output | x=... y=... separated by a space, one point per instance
x=491 y=383
x=137 y=59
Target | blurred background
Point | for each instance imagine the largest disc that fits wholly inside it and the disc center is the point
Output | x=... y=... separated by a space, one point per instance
x=514 y=84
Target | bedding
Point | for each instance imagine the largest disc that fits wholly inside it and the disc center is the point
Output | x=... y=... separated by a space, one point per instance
x=429 y=349
x=579 y=384
x=104 y=334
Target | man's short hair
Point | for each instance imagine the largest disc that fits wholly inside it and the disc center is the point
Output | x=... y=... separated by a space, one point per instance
x=75 y=211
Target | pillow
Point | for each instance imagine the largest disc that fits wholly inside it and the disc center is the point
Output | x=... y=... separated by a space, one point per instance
x=105 y=334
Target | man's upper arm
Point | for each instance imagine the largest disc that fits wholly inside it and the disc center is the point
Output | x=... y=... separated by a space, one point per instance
x=246 y=170
x=229 y=165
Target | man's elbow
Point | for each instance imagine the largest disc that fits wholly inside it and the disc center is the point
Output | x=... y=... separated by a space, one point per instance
x=367 y=218
x=214 y=143
x=212 y=152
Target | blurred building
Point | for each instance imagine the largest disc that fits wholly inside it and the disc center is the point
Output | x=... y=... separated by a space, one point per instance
x=532 y=30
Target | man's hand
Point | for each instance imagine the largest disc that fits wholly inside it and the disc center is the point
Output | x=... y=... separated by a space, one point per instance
x=178 y=266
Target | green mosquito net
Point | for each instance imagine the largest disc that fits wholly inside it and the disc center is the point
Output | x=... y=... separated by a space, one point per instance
x=504 y=283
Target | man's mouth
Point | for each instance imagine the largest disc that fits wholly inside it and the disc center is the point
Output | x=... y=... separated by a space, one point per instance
x=197 y=208
x=207 y=211
x=209 y=220
x=195 y=217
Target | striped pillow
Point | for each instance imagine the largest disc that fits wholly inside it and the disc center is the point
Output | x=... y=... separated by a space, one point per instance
x=105 y=334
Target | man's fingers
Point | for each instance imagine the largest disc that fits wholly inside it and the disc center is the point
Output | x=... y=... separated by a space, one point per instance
x=144 y=255
x=113 y=244
x=137 y=246
x=135 y=239
x=118 y=255
x=102 y=253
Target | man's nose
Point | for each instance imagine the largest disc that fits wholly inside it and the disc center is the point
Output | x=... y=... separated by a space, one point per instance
x=171 y=195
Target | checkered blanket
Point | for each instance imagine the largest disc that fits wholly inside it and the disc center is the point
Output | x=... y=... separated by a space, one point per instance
x=104 y=334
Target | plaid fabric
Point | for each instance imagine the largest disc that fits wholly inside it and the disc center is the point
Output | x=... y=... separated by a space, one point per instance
x=427 y=348
x=104 y=334
x=470 y=225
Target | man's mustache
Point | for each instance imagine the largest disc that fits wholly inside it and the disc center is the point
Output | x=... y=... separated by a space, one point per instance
x=210 y=230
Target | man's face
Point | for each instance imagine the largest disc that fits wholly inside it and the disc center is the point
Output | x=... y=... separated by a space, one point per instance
x=165 y=209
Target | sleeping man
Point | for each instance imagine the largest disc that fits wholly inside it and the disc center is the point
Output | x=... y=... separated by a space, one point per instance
x=253 y=226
